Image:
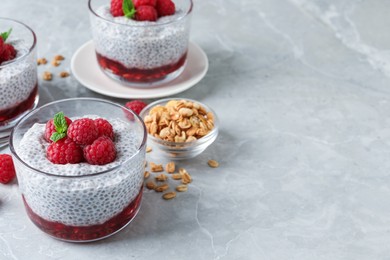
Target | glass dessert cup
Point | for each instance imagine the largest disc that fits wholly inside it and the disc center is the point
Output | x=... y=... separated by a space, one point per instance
x=73 y=206
x=18 y=77
x=141 y=54
x=181 y=150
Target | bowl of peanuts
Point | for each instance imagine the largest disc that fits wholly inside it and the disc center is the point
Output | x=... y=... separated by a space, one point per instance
x=180 y=128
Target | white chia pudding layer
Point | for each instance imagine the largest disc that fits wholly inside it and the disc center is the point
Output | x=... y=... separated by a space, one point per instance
x=142 y=45
x=83 y=200
x=18 y=78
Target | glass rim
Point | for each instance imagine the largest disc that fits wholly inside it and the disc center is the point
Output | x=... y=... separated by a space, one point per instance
x=187 y=13
x=30 y=49
x=34 y=111
x=199 y=141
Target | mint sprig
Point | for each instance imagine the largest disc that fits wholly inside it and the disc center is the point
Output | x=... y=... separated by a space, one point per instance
x=57 y=136
x=60 y=125
x=128 y=8
x=5 y=35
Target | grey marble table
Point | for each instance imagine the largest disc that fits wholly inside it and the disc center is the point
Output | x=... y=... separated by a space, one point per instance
x=302 y=89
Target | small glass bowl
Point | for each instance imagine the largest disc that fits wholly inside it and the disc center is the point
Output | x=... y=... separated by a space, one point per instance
x=181 y=150
x=87 y=202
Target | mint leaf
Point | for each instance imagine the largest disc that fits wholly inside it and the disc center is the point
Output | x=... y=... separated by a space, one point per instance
x=128 y=8
x=57 y=136
x=60 y=123
x=5 y=35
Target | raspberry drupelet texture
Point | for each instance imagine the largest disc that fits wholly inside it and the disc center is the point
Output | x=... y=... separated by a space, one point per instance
x=50 y=128
x=100 y=152
x=116 y=8
x=64 y=151
x=104 y=128
x=7 y=169
x=165 y=7
x=136 y=106
x=83 y=131
x=7 y=52
x=146 y=13
x=138 y=3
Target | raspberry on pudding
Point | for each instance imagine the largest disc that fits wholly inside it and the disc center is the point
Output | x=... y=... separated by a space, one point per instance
x=7 y=50
x=18 y=71
x=140 y=42
x=104 y=128
x=79 y=189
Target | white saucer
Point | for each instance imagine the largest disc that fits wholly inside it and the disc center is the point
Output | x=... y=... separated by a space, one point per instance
x=87 y=71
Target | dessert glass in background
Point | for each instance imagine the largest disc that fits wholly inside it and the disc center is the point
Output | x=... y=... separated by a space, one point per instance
x=80 y=202
x=141 y=54
x=18 y=77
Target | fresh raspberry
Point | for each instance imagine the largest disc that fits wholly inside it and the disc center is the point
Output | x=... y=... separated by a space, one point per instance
x=165 y=7
x=83 y=131
x=116 y=8
x=11 y=50
x=7 y=169
x=146 y=13
x=1 y=46
x=136 y=106
x=50 y=128
x=138 y=3
x=104 y=128
x=9 y=53
x=64 y=151
x=101 y=151
x=5 y=55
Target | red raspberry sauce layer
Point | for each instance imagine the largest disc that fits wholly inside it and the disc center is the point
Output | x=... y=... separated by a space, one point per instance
x=139 y=75
x=19 y=108
x=86 y=233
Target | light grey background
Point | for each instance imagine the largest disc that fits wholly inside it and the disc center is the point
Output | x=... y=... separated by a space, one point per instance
x=302 y=89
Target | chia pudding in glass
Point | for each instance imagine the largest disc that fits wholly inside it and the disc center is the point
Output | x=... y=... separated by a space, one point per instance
x=18 y=73
x=141 y=53
x=80 y=202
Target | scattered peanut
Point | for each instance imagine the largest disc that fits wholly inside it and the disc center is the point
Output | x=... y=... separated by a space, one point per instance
x=186 y=178
x=182 y=188
x=182 y=175
x=64 y=74
x=47 y=75
x=156 y=167
x=182 y=171
x=170 y=167
x=150 y=185
x=55 y=63
x=148 y=149
x=176 y=176
x=161 y=177
x=213 y=163
x=59 y=57
x=169 y=195
x=41 y=61
x=161 y=188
